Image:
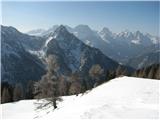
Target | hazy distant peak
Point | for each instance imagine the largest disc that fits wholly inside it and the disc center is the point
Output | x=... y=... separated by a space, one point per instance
x=83 y=27
x=138 y=33
x=61 y=29
x=36 y=32
x=105 y=30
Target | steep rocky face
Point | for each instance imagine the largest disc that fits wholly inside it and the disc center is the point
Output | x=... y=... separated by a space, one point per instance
x=93 y=39
x=106 y=35
x=118 y=46
x=87 y=36
x=74 y=54
x=18 y=65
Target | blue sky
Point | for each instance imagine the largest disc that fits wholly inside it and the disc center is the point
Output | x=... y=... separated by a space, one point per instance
x=117 y=16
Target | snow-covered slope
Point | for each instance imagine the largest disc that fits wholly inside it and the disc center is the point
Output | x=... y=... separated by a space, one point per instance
x=118 y=46
x=124 y=97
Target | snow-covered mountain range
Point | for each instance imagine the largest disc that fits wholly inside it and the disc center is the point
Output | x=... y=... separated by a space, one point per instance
x=76 y=48
x=23 y=55
x=76 y=55
x=118 y=46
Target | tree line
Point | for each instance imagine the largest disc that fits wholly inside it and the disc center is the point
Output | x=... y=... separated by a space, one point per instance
x=152 y=72
x=53 y=84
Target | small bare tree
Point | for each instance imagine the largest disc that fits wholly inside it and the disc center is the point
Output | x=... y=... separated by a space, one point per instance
x=95 y=72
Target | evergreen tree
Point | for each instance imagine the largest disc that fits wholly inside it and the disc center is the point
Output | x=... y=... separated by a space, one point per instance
x=83 y=86
x=18 y=92
x=111 y=74
x=151 y=73
x=121 y=71
x=141 y=73
x=135 y=74
x=6 y=97
x=30 y=90
x=157 y=73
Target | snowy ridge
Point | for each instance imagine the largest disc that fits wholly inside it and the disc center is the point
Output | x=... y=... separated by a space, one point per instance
x=72 y=51
x=120 y=98
x=40 y=54
x=127 y=43
x=16 y=57
x=135 y=41
x=48 y=40
x=70 y=46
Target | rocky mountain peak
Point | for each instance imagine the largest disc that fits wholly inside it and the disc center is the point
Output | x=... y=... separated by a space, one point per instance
x=61 y=29
x=105 y=30
x=83 y=29
x=8 y=30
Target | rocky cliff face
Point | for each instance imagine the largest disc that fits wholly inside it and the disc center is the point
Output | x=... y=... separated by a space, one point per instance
x=18 y=65
x=74 y=54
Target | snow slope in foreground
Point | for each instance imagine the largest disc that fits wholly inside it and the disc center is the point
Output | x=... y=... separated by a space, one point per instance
x=124 y=97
